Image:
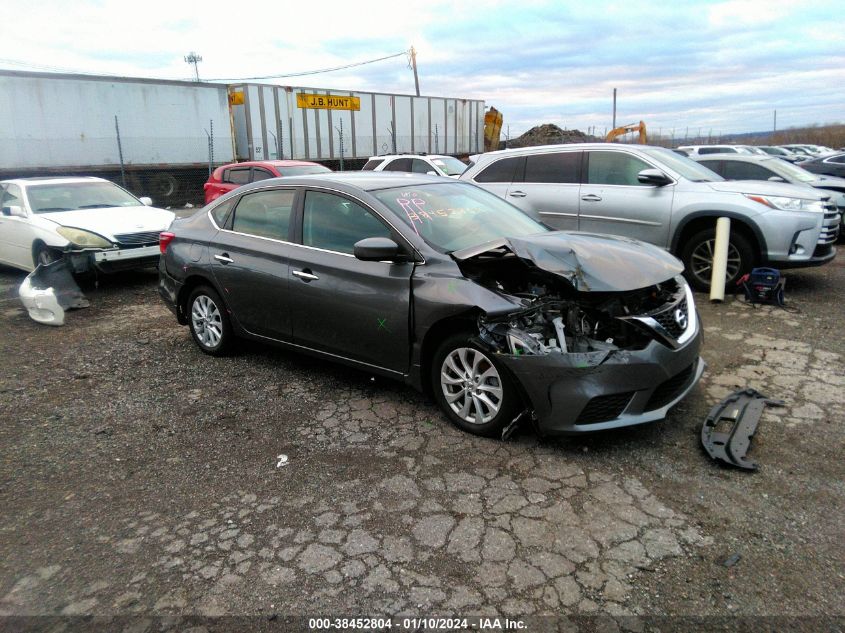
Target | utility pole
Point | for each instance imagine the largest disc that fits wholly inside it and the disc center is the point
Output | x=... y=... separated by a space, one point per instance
x=614 y=109
x=193 y=58
x=775 y=124
x=414 y=66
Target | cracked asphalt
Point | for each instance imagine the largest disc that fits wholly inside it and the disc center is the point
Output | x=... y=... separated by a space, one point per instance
x=140 y=477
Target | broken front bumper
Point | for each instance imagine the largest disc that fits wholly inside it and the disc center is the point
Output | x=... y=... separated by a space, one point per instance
x=583 y=393
x=112 y=260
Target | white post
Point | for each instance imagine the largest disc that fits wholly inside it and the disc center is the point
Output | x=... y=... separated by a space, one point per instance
x=720 y=260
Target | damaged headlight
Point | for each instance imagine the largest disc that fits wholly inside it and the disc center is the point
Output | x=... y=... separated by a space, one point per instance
x=85 y=239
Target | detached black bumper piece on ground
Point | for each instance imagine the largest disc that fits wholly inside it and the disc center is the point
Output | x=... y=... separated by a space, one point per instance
x=742 y=410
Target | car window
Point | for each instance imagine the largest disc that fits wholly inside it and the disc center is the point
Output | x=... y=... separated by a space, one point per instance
x=237 y=176
x=614 y=168
x=90 y=194
x=372 y=164
x=221 y=212
x=837 y=159
x=421 y=167
x=335 y=223
x=400 y=164
x=261 y=174
x=11 y=197
x=504 y=170
x=737 y=170
x=560 y=167
x=264 y=213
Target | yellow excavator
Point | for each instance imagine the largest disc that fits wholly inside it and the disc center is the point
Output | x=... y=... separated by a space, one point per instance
x=631 y=127
x=492 y=129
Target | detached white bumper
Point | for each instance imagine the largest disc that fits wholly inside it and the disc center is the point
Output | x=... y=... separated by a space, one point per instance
x=126 y=254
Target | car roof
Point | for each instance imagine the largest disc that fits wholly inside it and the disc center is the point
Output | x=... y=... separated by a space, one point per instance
x=54 y=180
x=385 y=156
x=746 y=158
x=272 y=163
x=366 y=180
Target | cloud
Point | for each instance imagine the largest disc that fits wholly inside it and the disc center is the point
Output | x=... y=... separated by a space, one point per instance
x=722 y=64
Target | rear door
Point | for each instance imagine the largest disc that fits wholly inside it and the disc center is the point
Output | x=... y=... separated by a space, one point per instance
x=498 y=176
x=614 y=201
x=342 y=305
x=550 y=187
x=251 y=260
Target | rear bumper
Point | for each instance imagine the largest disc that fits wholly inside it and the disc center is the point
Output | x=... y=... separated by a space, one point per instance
x=168 y=289
x=583 y=393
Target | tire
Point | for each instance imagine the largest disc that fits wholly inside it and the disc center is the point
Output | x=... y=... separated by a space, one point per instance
x=164 y=186
x=493 y=401
x=43 y=254
x=209 y=322
x=697 y=256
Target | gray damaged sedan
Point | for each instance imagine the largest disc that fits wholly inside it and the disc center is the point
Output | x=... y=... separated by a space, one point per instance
x=446 y=287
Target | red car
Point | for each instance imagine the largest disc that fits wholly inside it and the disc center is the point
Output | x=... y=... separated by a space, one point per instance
x=232 y=176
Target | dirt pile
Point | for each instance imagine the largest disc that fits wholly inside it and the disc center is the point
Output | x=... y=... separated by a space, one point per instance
x=548 y=134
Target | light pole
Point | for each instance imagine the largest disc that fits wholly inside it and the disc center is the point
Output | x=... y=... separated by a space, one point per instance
x=193 y=58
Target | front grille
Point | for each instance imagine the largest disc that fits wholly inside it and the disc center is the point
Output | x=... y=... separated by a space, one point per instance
x=667 y=318
x=137 y=239
x=830 y=227
x=668 y=390
x=604 y=408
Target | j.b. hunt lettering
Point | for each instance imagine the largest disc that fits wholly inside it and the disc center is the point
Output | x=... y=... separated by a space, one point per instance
x=327 y=102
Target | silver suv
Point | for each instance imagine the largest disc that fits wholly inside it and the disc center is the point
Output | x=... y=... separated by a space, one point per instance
x=655 y=195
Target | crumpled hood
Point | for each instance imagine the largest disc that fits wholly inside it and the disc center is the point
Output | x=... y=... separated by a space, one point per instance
x=588 y=261
x=114 y=220
x=767 y=188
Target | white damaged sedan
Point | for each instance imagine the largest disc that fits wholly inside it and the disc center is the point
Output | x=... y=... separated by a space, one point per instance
x=90 y=223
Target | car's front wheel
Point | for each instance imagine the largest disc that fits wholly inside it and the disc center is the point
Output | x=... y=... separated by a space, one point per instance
x=697 y=256
x=44 y=255
x=209 y=322
x=471 y=387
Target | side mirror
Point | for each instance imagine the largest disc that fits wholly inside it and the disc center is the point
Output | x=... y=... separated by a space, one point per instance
x=776 y=179
x=15 y=210
x=146 y=201
x=378 y=249
x=653 y=177
x=431 y=173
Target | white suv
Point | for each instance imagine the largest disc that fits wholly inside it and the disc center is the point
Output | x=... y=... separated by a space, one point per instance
x=434 y=164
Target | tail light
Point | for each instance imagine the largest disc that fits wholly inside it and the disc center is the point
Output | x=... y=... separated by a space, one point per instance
x=164 y=240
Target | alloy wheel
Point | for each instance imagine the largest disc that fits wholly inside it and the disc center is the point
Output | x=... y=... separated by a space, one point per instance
x=471 y=385
x=206 y=321
x=701 y=261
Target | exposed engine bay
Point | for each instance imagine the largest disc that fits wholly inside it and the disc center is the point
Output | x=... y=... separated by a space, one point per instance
x=556 y=318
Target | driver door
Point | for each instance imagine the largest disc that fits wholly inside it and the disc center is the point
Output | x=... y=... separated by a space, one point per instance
x=342 y=305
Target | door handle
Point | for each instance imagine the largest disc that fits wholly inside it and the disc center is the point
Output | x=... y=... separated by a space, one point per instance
x=305 y=275
x=517 y=194
x=224 y=258
x=591 y=197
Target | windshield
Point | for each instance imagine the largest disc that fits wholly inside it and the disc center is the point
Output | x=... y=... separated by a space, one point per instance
x=682 y=165
x=450 y=166
x=792 y=172
x=456 y=215
x=302 y=170
x=78 y=195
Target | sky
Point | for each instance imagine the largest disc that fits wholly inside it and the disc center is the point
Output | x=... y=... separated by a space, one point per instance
x=718 y=67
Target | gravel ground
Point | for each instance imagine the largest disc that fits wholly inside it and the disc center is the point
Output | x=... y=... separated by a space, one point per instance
x=142 y=478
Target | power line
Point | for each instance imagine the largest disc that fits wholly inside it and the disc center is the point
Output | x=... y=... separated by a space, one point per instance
x=311 y=72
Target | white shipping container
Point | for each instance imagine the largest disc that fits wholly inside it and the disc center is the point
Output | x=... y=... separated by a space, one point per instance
x=50 y=121
x=385 y=123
